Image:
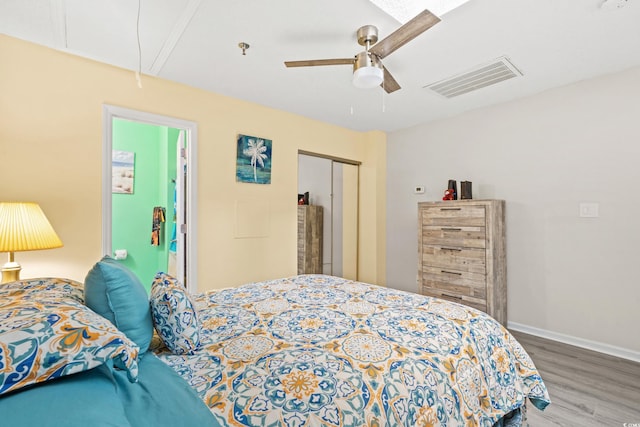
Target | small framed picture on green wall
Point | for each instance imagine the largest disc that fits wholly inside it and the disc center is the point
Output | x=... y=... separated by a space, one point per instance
x=122 y=171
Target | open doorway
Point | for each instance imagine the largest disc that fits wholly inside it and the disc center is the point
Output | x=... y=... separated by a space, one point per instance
x=175 y=187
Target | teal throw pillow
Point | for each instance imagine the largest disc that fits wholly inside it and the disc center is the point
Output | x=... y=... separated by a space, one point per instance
x=115 y=292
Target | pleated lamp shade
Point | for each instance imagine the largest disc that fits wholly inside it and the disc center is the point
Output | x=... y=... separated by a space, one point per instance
x=23 y=227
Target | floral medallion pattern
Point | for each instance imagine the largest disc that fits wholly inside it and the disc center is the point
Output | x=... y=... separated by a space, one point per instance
x=272 y=305
x=416 y=393
x=358 y=307
x=447 y=310
x=394 y=298
x=316 y=350
x=302 y=387
x=222 y=322
x=203 y=374
x=418 y=330
x=316 y=295
x=366 y=348
x=247 y=348
x=312 y=326
x=247 y=295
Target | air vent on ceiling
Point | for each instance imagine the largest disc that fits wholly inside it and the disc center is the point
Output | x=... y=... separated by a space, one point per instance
x=486 y=75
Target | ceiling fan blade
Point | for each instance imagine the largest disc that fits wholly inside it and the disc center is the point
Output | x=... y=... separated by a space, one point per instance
x=316 y=62
x=409 y=31
x=389 y=84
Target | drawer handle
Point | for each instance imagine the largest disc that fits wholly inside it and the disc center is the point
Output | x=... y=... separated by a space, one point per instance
x=450 y=229
x=450 y=209
x=445 y=248
x=452 y=296
x=451 y=272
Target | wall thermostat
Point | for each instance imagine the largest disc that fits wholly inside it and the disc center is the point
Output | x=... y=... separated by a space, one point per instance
x=418 y=189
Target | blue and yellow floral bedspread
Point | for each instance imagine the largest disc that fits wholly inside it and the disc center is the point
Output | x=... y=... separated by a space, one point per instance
x=324 y=351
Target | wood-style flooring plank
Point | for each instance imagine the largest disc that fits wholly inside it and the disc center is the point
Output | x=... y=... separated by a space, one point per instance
x=587 y=388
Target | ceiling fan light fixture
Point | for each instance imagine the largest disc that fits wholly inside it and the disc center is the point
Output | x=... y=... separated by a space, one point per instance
x=367 y=77
x=367 y=71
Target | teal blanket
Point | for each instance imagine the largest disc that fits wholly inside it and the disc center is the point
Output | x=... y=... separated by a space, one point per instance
x=102 y=397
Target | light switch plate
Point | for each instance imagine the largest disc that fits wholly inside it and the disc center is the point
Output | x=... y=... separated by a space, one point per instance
x=589 y=210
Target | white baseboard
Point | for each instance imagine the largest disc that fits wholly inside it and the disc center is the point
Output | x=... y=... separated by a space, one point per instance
x=613 y=350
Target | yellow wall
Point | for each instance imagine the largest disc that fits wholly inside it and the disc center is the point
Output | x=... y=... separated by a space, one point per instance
x=50 y=150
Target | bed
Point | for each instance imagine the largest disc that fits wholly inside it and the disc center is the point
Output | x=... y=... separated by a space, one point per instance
x=308 y=350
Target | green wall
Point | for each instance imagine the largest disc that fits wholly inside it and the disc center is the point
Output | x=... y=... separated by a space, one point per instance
x=132 y=214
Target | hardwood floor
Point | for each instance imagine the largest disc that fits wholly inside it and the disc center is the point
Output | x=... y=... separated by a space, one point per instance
x=587 y=389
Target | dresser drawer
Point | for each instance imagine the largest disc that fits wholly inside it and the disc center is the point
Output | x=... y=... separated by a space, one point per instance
x=454 y=258
x=476 y=303
x=469 y=237
x=456 y=282
x=454 y=216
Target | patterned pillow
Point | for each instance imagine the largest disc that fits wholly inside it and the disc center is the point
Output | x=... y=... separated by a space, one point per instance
x=174 y=315
x=46 y=333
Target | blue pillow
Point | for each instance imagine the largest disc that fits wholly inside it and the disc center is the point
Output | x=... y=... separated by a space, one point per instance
x=115 y=292
x=174 y=315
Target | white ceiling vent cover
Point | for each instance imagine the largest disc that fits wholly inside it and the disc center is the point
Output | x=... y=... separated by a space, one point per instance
x=486 y=75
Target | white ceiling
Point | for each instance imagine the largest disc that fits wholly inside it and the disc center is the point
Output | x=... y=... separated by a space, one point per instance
x=195 y=42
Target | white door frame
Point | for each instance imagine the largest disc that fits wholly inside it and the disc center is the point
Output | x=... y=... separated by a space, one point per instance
x=179 y=202
x=110 y=112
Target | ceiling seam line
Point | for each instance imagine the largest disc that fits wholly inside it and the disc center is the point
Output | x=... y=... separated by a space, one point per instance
x=174 y=37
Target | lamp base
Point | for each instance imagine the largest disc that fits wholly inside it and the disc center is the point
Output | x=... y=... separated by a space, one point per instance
x=11 y=272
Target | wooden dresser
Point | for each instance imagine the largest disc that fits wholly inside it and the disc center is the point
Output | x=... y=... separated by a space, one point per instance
x=461 y=247
x=309 y=239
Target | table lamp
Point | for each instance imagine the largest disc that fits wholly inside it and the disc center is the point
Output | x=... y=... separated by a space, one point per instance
x=23 y=227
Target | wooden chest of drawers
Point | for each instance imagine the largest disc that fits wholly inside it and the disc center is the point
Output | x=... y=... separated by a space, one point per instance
x=461 y=247
x=309 y=239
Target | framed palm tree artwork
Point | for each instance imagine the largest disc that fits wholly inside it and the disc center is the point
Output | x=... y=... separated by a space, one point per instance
x=253 y=160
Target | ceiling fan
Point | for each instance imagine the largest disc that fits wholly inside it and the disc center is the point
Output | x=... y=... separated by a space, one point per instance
x=368 y=70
